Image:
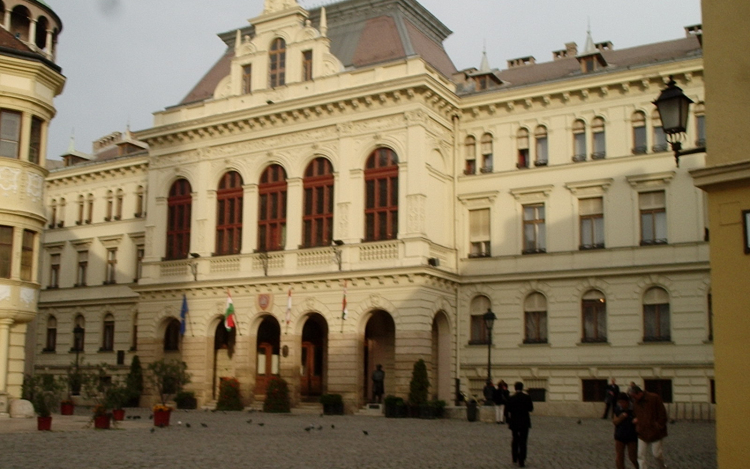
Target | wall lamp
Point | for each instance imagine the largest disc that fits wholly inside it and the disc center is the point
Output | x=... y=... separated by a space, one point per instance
x=674 y=110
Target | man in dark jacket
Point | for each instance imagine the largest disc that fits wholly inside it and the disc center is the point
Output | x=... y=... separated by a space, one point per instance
x=519 y=421
x=610 y=398
x=650 y=424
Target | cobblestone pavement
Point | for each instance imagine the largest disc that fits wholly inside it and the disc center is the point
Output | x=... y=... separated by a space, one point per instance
x=229 y=440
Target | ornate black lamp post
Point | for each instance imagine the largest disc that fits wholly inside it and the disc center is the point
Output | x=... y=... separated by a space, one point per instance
x=674 y=110
x=489 y=321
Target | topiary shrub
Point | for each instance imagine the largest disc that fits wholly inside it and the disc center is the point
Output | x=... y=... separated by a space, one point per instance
x=186 y=400
x=134 y=383
x=229 y=395
x=277 y=396
x=419 y=385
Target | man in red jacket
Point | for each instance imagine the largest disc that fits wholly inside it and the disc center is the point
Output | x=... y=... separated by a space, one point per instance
x=650 y=424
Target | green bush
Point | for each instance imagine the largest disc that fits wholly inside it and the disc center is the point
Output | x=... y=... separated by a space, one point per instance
x=229 y=395
x=186 y=400
x=331 y=399
x=167 y=377
x=277 y=397
x=134 y=382
x=44 y=393
x=419 y=385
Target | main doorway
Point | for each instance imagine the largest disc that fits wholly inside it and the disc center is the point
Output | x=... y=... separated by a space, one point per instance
x=380 y=349
x=269 y=338
x=313 y=357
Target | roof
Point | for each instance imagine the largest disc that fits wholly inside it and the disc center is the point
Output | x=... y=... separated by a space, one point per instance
x=9 y=41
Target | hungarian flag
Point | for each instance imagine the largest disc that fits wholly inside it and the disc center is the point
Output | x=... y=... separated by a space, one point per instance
x=183 y=314
x=289 y=307
x=343 y=305
x=229 y=314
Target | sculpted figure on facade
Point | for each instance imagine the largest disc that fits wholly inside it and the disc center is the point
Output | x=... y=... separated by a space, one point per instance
x=272 y=6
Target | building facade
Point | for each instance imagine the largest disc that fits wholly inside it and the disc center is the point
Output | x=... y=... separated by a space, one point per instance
x=29 y=81
x=363 y=202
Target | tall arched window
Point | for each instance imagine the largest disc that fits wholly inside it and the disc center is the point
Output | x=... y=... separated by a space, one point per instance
x=542 y=147
x=535 y=319
x=594 y=315
x=108 y=333
x=381 y=195
x=110 y=205
x=140 y=195
x=479 y=333
x=20 y=22
x=470 y=150
x=179 y=206
x=51 y=342
x=118 y=205
x=79 y=341
x=656 y=323
x=172 y=336
x=639 y=133
x=229 y=214
x=486 y=153
x=277 y=63
x=272 y=209
x=317 y=220
x=598 y=139
x=522 y=142
x=579 y=140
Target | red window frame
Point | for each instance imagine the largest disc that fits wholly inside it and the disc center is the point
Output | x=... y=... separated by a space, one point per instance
x=229 y=214
x=381 y=195
x=179 y=206
x=317 y=219
x=272 y=192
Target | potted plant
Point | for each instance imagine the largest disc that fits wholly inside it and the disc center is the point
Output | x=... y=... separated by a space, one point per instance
x=67 y=407
x=95 y=385
x=392 y=404
x=333 y=404
x=186 y=400
x=277 y=396
x=116 y=395
x=101 y=417
x=166 y=378
x=418 y=388
x=44 y=393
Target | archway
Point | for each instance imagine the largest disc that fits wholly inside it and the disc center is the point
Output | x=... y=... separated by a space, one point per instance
x=441 y=357
x=269 y=338
x=224 y=341
x=380 y=349
x=313 y=357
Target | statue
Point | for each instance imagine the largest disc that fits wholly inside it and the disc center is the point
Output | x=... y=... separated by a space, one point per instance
x=272 y=6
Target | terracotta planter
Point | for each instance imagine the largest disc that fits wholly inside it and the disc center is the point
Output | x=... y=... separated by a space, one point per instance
x=161 y=418
x=118 y=414
x=101 y=422
x=44 y=423
x=67 y=409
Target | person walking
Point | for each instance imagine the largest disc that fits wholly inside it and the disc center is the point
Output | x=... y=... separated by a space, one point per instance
x=500 y=398
x=625 y=434
x=650 y=424
x=610 y=397
x=378 y=377
x=488 y=392
x=517 y=411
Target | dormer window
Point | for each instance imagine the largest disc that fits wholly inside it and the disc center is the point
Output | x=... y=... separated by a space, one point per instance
x=277 y=63
x=307 y=65
x=247 y=79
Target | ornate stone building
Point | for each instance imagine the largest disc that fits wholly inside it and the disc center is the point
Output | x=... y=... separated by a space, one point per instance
x=29 y=81
x=365 y=203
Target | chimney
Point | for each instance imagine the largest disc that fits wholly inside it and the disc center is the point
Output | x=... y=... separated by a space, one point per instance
x=602 y=46
x=571 y=50
x=521 y=61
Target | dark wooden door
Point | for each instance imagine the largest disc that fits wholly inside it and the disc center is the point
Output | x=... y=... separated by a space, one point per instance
x=264 y=372
x=311 y=382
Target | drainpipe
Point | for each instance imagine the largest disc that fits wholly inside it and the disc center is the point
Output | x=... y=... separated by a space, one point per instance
x=455 y=119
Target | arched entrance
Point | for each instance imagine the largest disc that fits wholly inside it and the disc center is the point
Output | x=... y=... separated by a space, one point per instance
x=380 y=349
x=313 y=357
x=224 y=341
x=441 y=357
x=269 y=338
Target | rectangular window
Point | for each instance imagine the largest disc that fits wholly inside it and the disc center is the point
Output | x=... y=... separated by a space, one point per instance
x=108 y=336
x=27 y=255
x=10 y=133
x=662 y=387
x=111 y=266
x=6 y=250
x=523 y=150
x=700 y=128
x=594 y=390
x=639 y=139
x=591 y=212
x=140 y=252
x=54 y=271
x=600 y=145
x=534 y=236
x=118 y=206
x=535 y=327
x=479 y=334
x=247 y=79
x=307 y=65
x=479 y=233
x=594 y=321
x=83 y=263
x=80 y=211
x=35 y=140
x=660 y=139
x=541 y=151
x=579 y=146
x=653 y=217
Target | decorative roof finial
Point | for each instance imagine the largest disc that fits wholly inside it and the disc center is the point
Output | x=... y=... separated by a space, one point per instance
x=589 y=48
x=485 y=64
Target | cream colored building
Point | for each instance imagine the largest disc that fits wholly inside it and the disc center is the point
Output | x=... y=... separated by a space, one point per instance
x=314 y=163
x=29 y=81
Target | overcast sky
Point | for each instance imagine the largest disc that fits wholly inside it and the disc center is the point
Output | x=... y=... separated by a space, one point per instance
x=125 y=59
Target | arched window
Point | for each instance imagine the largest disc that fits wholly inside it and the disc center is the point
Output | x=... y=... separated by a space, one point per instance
x=579 y=140
x=51 y=343
x=172 y=336
x=639 y=133
x=542 y=152
x=598 y=138
x=486 y=153
x=479 y=333
x=658 y=135
x=80 y=340
x=656 y=324
x=522 y=142
x=108 y=333
x=179 y=206
x=317 y=220
x=42 y=24
x=272 y=209
x=277 y=63
x=229 y=214
x=20 y=22
x=110 y=205
x=535 y=319
x=381 y=195
x=118 y=205
x=594 y=314
x=470 y=150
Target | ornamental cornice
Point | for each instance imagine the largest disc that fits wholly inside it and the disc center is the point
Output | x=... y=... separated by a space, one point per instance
x=651 y=179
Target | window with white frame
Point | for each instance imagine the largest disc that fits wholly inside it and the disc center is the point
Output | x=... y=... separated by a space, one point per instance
x=486 y=153
x=656 y=320
x=535 y=319
x=591 y=215
x=542 y=148
x=639 y=133
x=534 y=233
x=479 y=233
x=579 y=140
x=653 y=214
x=598 y=139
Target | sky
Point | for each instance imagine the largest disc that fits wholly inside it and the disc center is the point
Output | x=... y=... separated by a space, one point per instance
x=125 y=59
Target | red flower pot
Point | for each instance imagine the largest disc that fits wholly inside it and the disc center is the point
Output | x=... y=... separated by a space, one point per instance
x=118 y=414
x=67 y=409
x=161 y=418
x=101 y=422
x=44 y=423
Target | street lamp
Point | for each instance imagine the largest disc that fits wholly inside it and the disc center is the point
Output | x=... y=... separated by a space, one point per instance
x=78 y=341
x=489 y=321
x=674 y=109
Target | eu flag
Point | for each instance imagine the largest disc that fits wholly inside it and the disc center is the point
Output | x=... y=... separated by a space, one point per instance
x=183 y=314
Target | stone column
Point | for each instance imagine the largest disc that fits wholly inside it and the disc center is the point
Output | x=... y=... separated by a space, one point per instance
x=4 y=349
x=50 y=46
x=32 y=31
x=6 y=20
x=293 y=214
